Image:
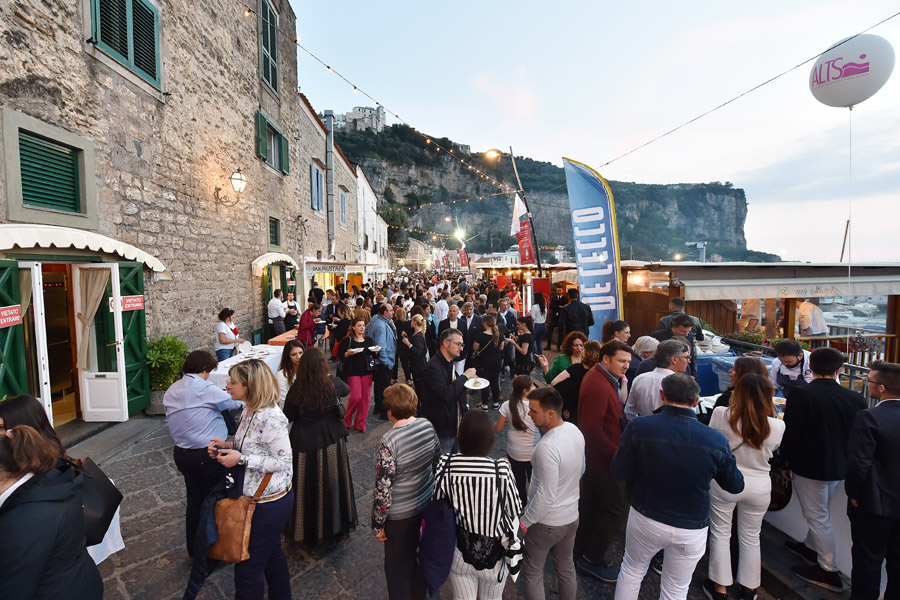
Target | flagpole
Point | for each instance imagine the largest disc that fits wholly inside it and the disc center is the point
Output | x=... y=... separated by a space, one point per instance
x=537 y=249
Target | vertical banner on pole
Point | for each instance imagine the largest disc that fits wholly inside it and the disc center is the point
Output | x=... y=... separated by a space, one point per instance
x=526 y=248
x=463 y=258
x=596 y=243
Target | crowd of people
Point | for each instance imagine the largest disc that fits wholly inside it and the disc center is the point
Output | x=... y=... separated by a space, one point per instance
x=605 y=439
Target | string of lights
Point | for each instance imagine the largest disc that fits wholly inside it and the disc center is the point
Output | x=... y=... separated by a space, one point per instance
x=429 y=141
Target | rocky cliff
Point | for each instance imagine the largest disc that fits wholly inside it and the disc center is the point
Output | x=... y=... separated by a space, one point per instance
x=654 y=221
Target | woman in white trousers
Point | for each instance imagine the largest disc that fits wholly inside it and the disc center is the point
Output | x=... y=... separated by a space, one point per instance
x=754 y=433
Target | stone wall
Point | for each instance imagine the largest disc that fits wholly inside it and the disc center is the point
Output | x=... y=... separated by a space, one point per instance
x=161 y=153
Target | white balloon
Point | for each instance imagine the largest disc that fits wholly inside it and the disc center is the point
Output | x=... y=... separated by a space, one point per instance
x=852 y=71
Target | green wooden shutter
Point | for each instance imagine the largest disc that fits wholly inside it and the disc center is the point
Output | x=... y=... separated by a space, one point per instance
x=285 y=155
x=261 y=124
x=134 y=327
x=49 y=173
x=13 y=379
x=112 y=26
x=268 y=46
x=145 y=31
x=312 y=186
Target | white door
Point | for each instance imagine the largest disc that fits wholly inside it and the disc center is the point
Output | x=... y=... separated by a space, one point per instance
x=40 y=335
x=103 y=395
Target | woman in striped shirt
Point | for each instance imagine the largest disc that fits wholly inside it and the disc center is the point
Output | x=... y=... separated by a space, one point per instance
x=404 y=481
x=486 y=506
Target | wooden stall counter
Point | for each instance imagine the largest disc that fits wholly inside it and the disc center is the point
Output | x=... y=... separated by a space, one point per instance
x=284 y=338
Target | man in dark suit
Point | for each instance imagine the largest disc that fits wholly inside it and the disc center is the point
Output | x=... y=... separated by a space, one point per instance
x=510 y=317
x=444 y=400
x=680 y=325
x=817 y=420
x=576 y=315
x=873 y=486
x=470 y=327
x=556 y=303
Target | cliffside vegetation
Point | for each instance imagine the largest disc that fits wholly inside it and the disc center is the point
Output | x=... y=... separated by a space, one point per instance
x=654 y=221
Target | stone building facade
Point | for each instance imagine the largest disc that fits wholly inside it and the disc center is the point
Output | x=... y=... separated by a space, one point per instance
x=145 y=126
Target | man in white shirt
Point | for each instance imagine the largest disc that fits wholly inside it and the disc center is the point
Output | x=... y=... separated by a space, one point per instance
x=442 y=308
x=672 y=356
x=276 y=314
x=454 y=322
x=811 y=318
x=558 y=460
x=791 y=368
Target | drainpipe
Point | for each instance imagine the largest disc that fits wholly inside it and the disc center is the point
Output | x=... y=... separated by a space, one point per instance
x=329 y=177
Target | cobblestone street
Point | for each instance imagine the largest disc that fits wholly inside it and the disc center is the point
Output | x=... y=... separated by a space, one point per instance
x=154 y=564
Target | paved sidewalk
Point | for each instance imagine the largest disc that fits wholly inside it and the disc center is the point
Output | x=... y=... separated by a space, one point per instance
x=154 y=564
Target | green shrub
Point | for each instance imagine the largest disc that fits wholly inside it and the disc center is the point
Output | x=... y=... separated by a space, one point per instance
x=165 y=357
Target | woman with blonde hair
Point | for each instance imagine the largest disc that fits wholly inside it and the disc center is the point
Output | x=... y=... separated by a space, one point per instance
x=415 y=344
x=262 y=446
x=568 y=383
x=325 y=510
x=754 y=434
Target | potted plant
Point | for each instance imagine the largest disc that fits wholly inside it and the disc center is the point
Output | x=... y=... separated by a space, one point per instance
x=165 y=357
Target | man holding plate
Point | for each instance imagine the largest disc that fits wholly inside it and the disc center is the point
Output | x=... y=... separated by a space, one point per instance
x=444 y=400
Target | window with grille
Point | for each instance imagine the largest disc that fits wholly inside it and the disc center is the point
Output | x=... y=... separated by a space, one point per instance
x=128 y=30
x=274 y=232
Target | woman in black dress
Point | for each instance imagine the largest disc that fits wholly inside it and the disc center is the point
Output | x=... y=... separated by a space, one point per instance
x=403 y=327
x=488 y=345
x=414 y=342
x=523 y=345
x=568 y=383
x=325 y=509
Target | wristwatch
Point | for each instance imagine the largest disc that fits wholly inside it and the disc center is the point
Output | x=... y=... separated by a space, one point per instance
x=242 y=461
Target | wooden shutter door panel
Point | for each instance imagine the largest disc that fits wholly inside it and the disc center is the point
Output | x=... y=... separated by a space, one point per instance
x=261 y=145
x=13 y=378
x=145 y=26
x=134 y=327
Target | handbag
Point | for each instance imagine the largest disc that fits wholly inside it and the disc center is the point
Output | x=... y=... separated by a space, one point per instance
x=436 y=537
x=233 y=520
x=370 y=361
x=100 y=499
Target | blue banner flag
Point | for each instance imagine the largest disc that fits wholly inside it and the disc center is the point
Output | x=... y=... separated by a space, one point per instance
x=596 y=243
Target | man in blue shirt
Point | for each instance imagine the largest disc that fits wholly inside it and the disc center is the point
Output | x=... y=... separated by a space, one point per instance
x=194 y=408
x=384 y=333
x=667 y=461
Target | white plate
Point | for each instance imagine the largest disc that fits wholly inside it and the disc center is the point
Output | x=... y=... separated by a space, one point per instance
x=374 y=348
x=479 y=383
x=245 y=347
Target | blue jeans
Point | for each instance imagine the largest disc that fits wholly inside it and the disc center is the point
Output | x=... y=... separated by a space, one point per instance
x=539 y=330
x=267 y=560
x=224 y=354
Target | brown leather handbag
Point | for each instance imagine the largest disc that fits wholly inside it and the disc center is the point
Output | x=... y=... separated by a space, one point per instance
x=233 y=519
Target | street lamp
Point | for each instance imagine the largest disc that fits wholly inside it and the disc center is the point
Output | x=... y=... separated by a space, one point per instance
x=494 y=153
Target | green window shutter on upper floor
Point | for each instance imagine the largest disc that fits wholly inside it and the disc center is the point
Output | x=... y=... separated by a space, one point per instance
x=128 y=30
x=261 y=124
x=49 y=174
x=285 y=149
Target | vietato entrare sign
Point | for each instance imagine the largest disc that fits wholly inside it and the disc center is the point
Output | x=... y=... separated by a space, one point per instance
x=129 y=303
x=10 y=316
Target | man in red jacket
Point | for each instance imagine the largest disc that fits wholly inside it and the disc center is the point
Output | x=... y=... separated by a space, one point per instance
x=602 y=508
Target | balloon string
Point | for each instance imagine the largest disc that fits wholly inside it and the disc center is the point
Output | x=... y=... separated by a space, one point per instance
x=849 y=206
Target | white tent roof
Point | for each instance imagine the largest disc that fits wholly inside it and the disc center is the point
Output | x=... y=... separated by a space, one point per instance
x=46 y=236
x=270 y=258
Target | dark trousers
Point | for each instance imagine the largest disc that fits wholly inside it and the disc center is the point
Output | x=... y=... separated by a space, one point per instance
x=602 y=511
x=381 y=380
x=875 y=538
x=201 y=474
x=552 y=326
x=401 y=569
x=267 y=563
x=522 y=472
x=491 y=372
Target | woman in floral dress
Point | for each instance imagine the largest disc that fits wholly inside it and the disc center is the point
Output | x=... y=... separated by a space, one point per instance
x=325 y=510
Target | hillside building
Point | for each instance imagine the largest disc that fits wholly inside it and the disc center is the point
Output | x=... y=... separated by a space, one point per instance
x=361 y=118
